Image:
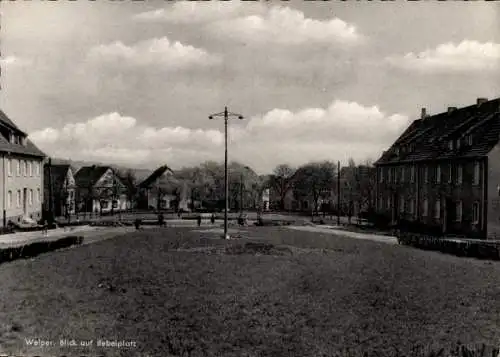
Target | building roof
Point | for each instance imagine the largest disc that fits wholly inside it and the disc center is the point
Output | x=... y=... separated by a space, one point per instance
x=6 y=146
x=88 y=176
x=151 y=179
x=428 y=139
x=4 y=119
x=58 y=174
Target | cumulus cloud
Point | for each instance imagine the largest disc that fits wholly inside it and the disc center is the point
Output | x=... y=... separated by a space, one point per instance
x=286 y=26
x=189 y=12
x=12 y=61
x=343 y=128
x=450 y=57
x=158 y=52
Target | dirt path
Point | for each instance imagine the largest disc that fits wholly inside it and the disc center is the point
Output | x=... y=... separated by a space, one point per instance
x=340 y=232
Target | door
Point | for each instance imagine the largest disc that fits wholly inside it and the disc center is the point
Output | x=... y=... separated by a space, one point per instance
x=449 y=215
x=25 y=197
x=395 y=208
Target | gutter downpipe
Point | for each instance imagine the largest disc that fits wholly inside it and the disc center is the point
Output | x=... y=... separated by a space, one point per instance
x=484 y=221
x=4 y=212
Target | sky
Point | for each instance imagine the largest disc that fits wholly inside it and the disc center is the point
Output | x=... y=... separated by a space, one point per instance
x=133 y=82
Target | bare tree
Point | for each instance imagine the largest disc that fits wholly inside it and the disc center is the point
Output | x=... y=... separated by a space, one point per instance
x=315 y=180
x=281 y=182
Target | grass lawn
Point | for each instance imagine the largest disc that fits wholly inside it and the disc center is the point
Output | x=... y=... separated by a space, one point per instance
x=178 y=293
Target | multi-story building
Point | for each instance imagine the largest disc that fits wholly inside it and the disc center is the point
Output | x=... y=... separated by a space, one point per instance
x=21 y=180
x=444 y=172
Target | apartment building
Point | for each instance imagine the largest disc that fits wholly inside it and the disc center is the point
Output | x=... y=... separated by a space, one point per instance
x=444 y=172
x=21 y=178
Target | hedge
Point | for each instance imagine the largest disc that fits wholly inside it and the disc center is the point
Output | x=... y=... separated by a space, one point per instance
x=481 y=249
x=36 y=248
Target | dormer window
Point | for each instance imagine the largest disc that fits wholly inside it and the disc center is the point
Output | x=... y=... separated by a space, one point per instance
x=396 y=151
x=450 y=144
x=458 y=144
x=469 y=139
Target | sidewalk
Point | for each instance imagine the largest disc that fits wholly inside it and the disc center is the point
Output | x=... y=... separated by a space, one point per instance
x=341 y=232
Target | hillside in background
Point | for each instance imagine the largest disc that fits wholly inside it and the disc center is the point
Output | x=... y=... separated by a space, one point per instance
x=140 y=174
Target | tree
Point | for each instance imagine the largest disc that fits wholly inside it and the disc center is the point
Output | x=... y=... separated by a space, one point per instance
x=360 y=180
x=281 y=182
x=315 y=180
x=129 y=179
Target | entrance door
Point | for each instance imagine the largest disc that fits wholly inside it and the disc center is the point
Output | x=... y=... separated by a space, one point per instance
x=25 y=198
x=395 y=208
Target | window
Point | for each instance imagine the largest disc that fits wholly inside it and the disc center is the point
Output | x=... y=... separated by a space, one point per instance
x=25 y=168
x=412 y=207
x=426 y=174
x=437 y=209
x=18 y=168
x=450 y=145
x=458 y=143
x=403 y=174
x=469 y=139
x=475 y=213
x=389 y=174
x=438 y=174
x=18 y=198
x=9 y=199
x=458 y=211
x=425 y=207
x=388 y=203
x=37 y=169
x=104 y=204
x=412 y=173
x=30 y=198
x=477 y=171
x=459 y=174
x=38 y=195
x=402 y=204
x=30 y=168
x=9 y=167
x=450 y=173
x=381 y=174
x=115 y=203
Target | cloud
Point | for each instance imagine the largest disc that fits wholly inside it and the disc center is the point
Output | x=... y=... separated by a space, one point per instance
x=450 y=57
x=188 y=12
x=14 y=61
x=285 y=26
x=158 y=52
x=343 y=128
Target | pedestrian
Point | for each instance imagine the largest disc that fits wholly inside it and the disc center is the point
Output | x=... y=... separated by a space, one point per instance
x=137 y=223
x=161 y=220
x=212 y=218
x=199 y=220
x=45 y=226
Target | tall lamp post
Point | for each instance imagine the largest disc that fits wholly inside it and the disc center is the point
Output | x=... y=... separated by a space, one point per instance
x=226 y=115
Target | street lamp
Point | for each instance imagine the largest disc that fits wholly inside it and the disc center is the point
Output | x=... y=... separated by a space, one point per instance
x=226 y=115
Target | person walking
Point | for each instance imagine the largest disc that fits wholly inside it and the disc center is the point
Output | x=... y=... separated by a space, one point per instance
x=212 y=218
x=199 y=220
x=161 y=220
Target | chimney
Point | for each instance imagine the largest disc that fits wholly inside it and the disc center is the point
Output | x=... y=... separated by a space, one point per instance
x=424 y=113
x=481 y=101
x=451 y=109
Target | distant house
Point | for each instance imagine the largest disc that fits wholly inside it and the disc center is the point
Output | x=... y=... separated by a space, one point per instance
x=161 y=190
x=63 y=189
x=444 y=172
x=21 y=176
x=100 y=190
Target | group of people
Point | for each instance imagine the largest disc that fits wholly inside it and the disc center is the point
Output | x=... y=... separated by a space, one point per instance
x=163 y=223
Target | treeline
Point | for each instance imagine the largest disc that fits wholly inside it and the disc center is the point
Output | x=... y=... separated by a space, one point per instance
x=316 y=183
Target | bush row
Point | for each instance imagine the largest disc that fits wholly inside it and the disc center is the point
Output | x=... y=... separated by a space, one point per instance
x=33 y=249
x=461 y=248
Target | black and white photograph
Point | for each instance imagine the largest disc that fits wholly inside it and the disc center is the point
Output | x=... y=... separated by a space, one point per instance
x=234 y=178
